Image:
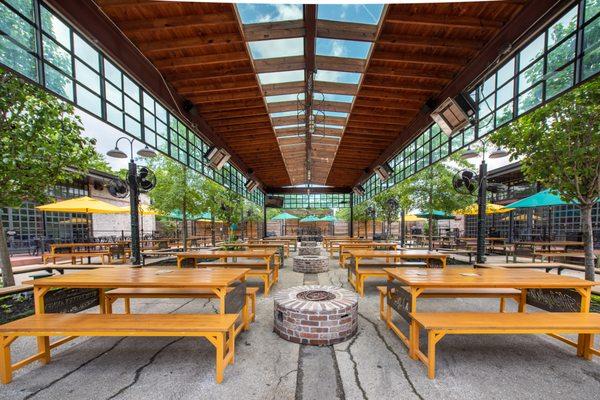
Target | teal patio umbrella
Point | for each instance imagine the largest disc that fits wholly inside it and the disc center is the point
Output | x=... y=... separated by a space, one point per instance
x=310 y=218
x=331 y=219
x=283 y=217
x=436 y=214
x=545 y=198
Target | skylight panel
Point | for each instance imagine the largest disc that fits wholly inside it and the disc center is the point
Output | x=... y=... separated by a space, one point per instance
x=337 y=76
x=343 y=48
x=357 y=13
x=277 y=48
x=283 y=76
x=257 y=13
x=287 y=126
x=344 y=98
x=331 y=126
x=285 y=97
x=331 y=113
x=287 y=114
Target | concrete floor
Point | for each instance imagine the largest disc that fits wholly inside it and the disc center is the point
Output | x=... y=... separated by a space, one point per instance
x=372 y=365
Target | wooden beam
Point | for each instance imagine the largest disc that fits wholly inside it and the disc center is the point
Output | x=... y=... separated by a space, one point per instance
x=239 y=120
x=346 y=30
x=409 y=73
x=274 y=89
x=377 y=83
x=429 y=41
x=292 y=120
x=244 y=112
x=209 y=74
x=199 y=41
x=380 y=119
x=217 y=87
x=274 y=30
x=389 y=56
x=336 y=87
x=382 y=104
x=341 y=64
x=193 y=61
x=239 y=104
x=237 y=95
x=278 y=64
x=453 y=21
x=138 y=26
x=396 y=94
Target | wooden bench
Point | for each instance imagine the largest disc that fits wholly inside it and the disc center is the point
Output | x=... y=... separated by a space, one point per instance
x=269 y=276
x=375 y=270
x=248 y=312
x=77 y=255
x=445 y=293
x=438 y=325
x=218 y=329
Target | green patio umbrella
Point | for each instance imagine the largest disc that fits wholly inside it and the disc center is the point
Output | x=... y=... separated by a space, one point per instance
x=283 y=216
x=310 y=218
x=328 y=218
x=545 y=198
x=436 y=214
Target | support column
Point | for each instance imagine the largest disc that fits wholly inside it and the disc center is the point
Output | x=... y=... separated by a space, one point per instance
x=351 y=226
x=481 y=201
x=264 y=222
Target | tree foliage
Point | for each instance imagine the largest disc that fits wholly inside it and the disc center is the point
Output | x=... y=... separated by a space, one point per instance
x=39 y=138
x=559 y=144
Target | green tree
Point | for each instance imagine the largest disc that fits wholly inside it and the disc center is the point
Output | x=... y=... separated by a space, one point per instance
x=559 y=145
x=432 y=189
x=39 y=138
x=222 y=203
x=396 y=199
x=99 y=163
x=177 y=189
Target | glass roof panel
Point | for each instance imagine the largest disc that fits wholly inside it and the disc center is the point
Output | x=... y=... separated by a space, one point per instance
x=343 y=48
x=277 y=48
x=284 y=97
x=255 y=13
x=331 y=113
x=287 y=126
x=344 y=98
x=331 y=126
x=337 y=76
x=357 y=13
x=283 y=76
x=287 y=114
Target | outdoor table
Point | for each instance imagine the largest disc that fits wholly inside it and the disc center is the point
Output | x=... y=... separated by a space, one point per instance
x=542 y=246
x=397 y=255
x=332 y=242
x=292 y=240
x=370 y=245
x=266 y=254
x=217 y=280
x=270 y=243
x=417 y=280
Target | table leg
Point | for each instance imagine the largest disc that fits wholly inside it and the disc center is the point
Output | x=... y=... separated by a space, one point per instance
x=584 y=340
x=102 y=300
x=523 y=300
x=43 y=342
x=414 y=294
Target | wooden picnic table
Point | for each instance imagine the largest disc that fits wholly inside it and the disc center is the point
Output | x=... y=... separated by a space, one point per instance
x=330 y=243
x=345 y=247
x=551 y=255
x=271 y=243
x=397 y=255
x=542 y=246
x=418 y=280
x=224 y=255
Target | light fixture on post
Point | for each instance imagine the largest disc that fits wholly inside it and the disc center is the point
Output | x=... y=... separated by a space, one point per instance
x=469 y=153
x=499 y=153
x=132 y=180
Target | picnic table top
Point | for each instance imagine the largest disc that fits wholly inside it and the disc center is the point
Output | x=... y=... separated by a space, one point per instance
x=227 y=253
x=553 y=243
x=519 y=265
x=572 y=254
x=370 y=244
x=397 y=253
x=99 y=244
x=257 y=245
x=486 y=277
x=144 y=277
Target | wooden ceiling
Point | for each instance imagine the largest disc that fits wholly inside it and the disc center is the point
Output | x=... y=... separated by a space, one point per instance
x=201 y=49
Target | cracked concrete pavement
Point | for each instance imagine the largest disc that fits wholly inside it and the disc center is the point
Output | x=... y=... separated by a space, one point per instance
x=372 y=365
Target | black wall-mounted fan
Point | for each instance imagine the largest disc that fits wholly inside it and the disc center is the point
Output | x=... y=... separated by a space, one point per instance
x=146 y=179
x=465 y=182
x=118 y=188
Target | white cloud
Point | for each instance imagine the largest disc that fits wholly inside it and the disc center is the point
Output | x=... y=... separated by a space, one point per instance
x=283 y=12
x=284 y=76
x=277 y=48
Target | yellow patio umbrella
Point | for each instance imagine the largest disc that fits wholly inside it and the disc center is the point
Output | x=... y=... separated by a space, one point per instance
x=143 y=209
x=490 y=208
x=85 y=204
x=413 y=218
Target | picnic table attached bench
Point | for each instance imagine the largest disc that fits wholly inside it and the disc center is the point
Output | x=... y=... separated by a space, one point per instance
x=268 y=274
x=248 y=313
x=218 y=329
x=453 y=293
x=344 y=249
x=375 y=270
x=547 y=266
x=104 y=255
x=439 y=325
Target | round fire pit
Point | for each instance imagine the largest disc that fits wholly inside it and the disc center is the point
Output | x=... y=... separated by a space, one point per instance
x=316 y=315
x=311 y=264
x=309 y=244
x=309 y=251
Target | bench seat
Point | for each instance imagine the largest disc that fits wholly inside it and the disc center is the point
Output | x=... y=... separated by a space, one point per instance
x=248 y=314
x=441 y=293
x=258 y=269
x=438 y=325
x=376 y=270
x=218 y=329
x=75 y=256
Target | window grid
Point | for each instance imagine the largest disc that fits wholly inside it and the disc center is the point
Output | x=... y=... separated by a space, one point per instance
x=324 y=200
x=48 y=51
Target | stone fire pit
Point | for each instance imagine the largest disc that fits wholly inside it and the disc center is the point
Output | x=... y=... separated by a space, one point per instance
x=309 y=251
x=316 y=315
x=309 y=244
x=311 y=264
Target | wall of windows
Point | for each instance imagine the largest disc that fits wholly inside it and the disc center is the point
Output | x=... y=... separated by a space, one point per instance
x=326 y=200
x=564 y=54
x=38 y=44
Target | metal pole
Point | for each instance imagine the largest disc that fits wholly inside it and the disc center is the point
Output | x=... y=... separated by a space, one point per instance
x=481 y=200
x=136 y=257
x=402 y=228
x=351 y=227
x=264 y=224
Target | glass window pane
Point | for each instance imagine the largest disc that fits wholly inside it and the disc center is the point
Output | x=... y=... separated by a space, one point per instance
x=57 y=55
x=114 y=116
x=25 y=7
x=54 y=27
x=561 y=55
x=132 y=127
x=114 y=95
x=132 y=108
x=18 y=59
x=563 y=27
x=58 y=83
x=486 y=106
x=256 y=13
x=342 y=48
x=506 y=72
x=86 y=52
x=87 y=76
x=161 y=113
x=489 y=85
x=131 y=89
x=89 y=101
x=504 y=114
x=591 y=58
x=592 y=7
x=357 y=13
x=530 y=99
x=505 y=93
x=531 y=75
x=559 y=82
x=531 y=52
x=276 y=48
x=17 y=28
x=112 y=73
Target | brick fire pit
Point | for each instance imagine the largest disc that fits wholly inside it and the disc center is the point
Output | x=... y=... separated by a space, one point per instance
x=309 y=244
x=309 y=251
x=311 y=264
x=316 y=315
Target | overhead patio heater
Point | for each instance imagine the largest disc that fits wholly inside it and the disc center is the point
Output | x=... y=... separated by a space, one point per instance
x=358 y=190
x=453 y=114
x=217 y=158
x=384 y=171
x=250 y=185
